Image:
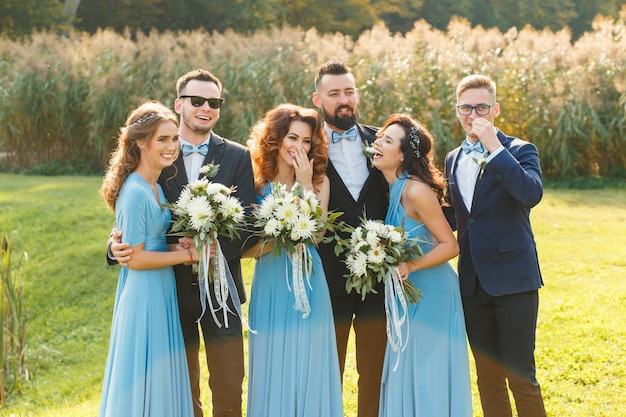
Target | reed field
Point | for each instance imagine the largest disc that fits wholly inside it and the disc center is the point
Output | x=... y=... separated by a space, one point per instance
x=62 y=224
x=63 y=97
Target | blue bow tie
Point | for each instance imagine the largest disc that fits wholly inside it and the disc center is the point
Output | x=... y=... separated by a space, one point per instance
x=349 y=134
x=189 y=149
x=476 y=146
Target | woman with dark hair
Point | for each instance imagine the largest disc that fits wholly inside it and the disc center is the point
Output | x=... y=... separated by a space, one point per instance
x=146 y=369
x=293 y=363
x=432 y=376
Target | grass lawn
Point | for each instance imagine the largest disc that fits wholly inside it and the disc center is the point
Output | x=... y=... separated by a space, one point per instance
x=68 y=289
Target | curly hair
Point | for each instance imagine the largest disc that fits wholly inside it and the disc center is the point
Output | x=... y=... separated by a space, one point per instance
x=418 y=163
x=268 y=133
x=141 y=124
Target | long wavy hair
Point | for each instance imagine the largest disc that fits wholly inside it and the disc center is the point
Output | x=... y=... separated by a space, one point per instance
x=141 y=124
x=268 y=133
x=420 y=167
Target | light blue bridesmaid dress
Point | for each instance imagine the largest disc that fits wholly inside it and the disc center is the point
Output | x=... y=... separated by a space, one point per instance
x=293 y=362
x=146 y=370
x=432 y=377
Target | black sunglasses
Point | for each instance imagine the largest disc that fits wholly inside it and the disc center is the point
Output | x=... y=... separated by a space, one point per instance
x=197 y=101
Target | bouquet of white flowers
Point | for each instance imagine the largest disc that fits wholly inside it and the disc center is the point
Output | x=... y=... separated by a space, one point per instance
x=204 y=211
x=374 y=251
x=289 y=220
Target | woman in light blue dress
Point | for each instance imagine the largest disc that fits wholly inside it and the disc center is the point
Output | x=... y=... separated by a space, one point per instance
x=432 y=373
x=293 y=362
x=146 y=370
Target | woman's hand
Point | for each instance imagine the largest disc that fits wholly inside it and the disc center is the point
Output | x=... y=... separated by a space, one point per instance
x=186 y=244
x=403 y=271
x=303 y=167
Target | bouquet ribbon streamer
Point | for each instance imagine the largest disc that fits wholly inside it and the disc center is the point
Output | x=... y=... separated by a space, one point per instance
x=223 y=286
x=396 y=312
x=301 y=268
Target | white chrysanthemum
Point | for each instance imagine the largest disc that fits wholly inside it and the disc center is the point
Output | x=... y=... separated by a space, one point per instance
x=358 y=245
x=233 y=209
x=376 y=255
x=199 y=212
x=217 y=188
x=286 y=212
x=197 y=187
x=272 y=228
x=357 y=264
x=180 y=208
x=305 y=207
x=303 y=228
x=372 y=238
x=395 y=236
x=219 y=199
x=355 y=237
x=310 y=197
x=266 y=210
x=373 y=226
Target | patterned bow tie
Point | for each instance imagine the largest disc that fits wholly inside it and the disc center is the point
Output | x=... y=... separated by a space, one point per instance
x=476 y=146
x=349 y=134
x=189 y=149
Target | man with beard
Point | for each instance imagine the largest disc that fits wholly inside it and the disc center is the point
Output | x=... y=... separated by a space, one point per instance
x=357 y=190
x=198 y=102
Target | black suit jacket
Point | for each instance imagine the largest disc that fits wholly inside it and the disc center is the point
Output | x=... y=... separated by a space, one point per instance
x=235 y=170
x=373 y=201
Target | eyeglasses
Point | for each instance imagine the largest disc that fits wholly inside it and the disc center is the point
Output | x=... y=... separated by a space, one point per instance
x=197 y=101
x=481 y=109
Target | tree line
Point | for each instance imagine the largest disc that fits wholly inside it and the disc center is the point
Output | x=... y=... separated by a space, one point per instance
x=349 y=17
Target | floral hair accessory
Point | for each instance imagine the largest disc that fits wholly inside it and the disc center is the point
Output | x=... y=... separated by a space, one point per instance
x=414 y=141
x=142 y=119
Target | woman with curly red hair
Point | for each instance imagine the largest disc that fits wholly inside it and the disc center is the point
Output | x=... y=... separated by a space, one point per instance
x=293 y=363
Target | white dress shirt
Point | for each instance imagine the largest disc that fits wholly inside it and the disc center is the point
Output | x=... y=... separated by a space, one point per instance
x=468 y=170
x=194 y=161
x=349 y=160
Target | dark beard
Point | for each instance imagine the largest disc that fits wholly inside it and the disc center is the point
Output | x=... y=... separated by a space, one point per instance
x=343 y=123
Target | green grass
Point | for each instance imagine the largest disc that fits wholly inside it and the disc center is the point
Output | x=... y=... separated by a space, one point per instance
x=63 y=225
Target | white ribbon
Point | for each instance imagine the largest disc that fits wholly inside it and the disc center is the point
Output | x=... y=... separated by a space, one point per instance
x=301 y=266
x=396 y=321
x=223 y=286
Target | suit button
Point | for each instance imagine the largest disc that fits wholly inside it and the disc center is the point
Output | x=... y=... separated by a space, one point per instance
x=470 y=221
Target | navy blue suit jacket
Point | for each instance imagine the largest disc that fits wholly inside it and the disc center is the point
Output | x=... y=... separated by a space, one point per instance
x=495 y=236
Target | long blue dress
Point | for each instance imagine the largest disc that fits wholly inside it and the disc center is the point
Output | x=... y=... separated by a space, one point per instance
x=432 y=377
x=146 y=370
x=293 y=362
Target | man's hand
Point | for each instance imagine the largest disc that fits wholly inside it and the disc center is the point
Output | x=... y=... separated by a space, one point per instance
x=121 y=251
x=483 y=130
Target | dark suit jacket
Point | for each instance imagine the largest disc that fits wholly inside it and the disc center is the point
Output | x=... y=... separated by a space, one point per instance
x=373 y=198
x=495 y=236
x=235 y=169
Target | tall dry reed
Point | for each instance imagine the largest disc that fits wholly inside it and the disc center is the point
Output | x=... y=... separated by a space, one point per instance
x=63 y=98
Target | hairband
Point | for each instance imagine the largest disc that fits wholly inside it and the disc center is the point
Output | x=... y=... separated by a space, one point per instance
x=414 y=141
x=142 y=119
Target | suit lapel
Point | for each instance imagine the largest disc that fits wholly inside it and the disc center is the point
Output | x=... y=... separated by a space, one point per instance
x=504 y=140
x=216 y=150
x=453 y=188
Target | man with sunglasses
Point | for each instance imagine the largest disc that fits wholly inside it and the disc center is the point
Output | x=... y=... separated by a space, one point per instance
x=198 y=103
x=493 y=182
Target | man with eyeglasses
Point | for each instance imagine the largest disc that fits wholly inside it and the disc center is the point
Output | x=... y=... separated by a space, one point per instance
x=198 y=103
x=493 y=182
